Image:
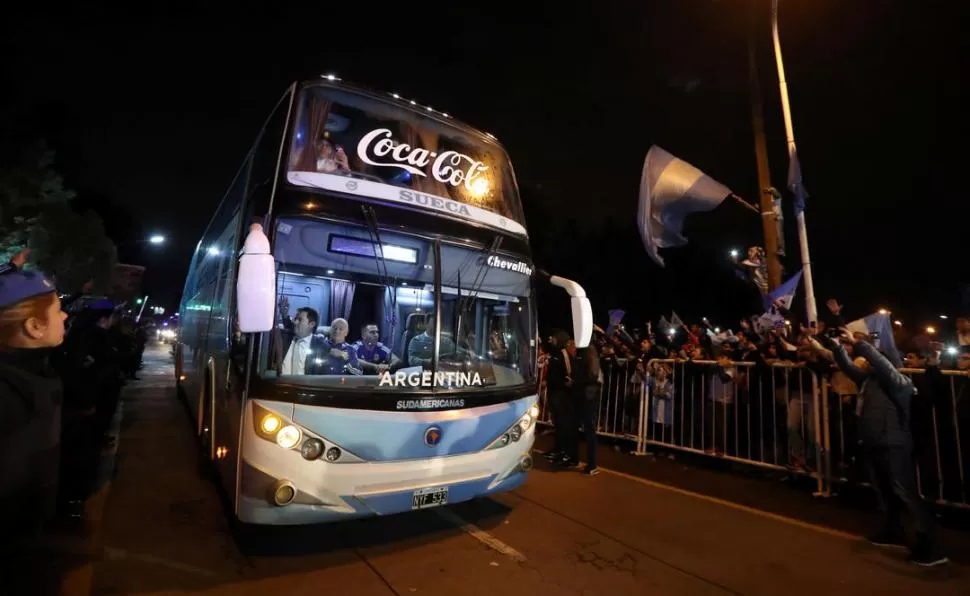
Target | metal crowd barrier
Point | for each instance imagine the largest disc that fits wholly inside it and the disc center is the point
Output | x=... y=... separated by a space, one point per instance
x=786 y=417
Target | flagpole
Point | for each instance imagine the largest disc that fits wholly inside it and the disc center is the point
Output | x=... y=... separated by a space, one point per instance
x=790 y=136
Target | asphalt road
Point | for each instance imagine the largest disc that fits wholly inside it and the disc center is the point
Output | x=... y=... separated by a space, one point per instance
x=640 y=527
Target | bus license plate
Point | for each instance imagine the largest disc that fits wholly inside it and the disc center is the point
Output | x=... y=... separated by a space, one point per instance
x=429 y=497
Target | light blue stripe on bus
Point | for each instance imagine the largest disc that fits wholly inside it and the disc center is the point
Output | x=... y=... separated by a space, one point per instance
x=390 y=436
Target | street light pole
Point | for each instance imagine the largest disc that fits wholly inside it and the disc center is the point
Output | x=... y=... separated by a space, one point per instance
x=790 y=136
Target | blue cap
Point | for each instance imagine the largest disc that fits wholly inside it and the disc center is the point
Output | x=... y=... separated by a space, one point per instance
x=17 y=286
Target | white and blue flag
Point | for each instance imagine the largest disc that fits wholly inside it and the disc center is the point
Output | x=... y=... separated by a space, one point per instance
x=784 y=294
x=881 y=326
x=670 y=190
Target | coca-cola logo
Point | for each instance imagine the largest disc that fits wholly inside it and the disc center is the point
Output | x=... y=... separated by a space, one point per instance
x=377 y=148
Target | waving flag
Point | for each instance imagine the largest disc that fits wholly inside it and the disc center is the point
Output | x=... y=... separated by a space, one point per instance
x=882 y=327
x=675 y=320
x=670 y=190
x=795 y=183
x=784 y=293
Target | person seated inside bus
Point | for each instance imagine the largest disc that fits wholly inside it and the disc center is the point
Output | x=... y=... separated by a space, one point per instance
x=374 y=357
x=496 y=346
x=421 y=346
x=331 y=160
x=338 y=356
x=298 y=344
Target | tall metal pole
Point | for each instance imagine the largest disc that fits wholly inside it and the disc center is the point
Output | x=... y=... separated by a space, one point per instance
x=766 y=201
x=790 y=135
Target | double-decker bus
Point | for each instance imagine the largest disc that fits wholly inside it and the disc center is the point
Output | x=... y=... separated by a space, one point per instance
x=358 y=325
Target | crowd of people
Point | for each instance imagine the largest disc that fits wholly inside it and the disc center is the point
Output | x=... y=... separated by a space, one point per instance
x=749 y=392
x=61 y=374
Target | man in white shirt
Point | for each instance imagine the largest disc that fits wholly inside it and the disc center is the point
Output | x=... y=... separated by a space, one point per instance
x=301 y=344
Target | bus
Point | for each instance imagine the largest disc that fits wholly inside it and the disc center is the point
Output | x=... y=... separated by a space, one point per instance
x=358 y=330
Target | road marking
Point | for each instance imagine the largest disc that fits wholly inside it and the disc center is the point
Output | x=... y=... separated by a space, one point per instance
x=736 y=506
x=481 y=535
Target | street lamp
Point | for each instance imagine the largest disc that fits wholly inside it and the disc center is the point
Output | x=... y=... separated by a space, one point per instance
x=943 y=317
x=930 y=330
x=157 y=239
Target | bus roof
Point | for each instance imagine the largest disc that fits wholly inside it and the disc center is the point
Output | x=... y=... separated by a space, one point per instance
x=396 y=99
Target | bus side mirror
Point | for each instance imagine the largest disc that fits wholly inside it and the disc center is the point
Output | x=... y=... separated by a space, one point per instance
x=256 y=284
x=581 y=309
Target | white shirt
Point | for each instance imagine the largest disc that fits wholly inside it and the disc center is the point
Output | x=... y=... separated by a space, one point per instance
x=295 y=361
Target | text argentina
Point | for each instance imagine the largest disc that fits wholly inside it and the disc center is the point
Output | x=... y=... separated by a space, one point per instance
x=429 y=379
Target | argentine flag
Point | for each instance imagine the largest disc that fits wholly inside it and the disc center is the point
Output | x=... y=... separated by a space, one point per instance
x=670 y=190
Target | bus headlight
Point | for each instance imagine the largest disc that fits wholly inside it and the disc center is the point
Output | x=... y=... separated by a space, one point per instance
x=270 y=424
x=288 y=437
x=515 y=432
x=312 y=449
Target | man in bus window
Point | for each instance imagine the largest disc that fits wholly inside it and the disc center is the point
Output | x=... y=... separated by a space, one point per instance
x=300 y=345
x=338 y=357
x=421 y=347
x=374 y=357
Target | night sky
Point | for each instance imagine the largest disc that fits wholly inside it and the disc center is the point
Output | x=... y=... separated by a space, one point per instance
x=154 y=114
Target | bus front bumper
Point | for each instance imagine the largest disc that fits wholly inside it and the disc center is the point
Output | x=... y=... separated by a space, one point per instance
x=324 y=492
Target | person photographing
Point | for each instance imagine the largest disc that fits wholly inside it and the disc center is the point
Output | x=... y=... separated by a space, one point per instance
x=887 y=442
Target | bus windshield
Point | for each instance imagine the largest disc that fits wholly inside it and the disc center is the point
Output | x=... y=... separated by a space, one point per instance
x=354 y=144
x=350 y=321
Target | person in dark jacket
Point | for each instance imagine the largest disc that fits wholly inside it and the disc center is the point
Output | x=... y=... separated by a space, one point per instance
x=887 y=442
x=558 y=382
x=587 y=383
x=31 y=323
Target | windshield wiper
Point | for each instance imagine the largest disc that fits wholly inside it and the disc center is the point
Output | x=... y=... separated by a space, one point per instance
x=370 y=218
x=465 y=300
x=480 y=275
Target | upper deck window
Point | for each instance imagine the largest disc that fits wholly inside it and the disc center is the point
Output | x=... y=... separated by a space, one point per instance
x=353 y=144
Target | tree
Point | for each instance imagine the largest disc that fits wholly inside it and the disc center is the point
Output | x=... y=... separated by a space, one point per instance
x=28 y=186
x=73 y=248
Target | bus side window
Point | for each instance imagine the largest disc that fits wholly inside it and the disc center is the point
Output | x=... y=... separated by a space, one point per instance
x=265 y=156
